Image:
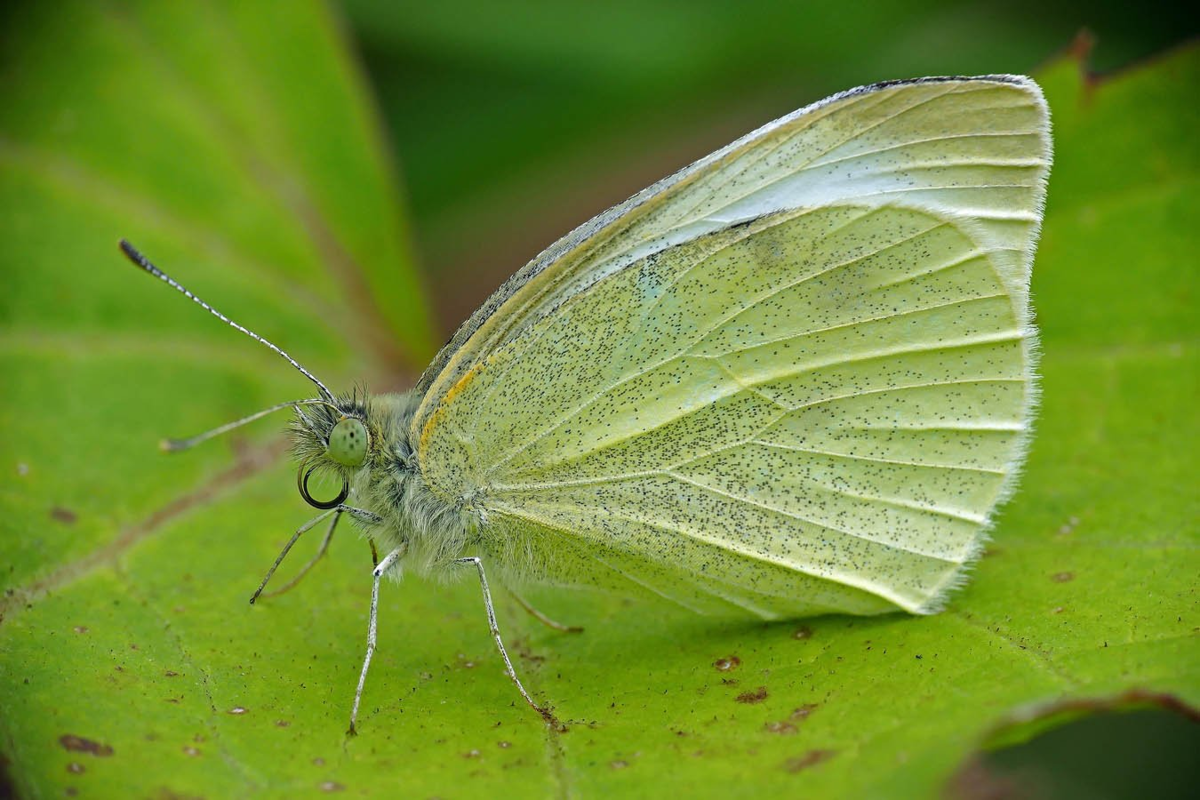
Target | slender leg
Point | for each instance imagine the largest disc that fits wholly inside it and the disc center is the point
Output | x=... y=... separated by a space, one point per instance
x=547 y=715
x=303 y=570
x=383 y=567
x=287 y=547
x=358 y=513
x=542 y=618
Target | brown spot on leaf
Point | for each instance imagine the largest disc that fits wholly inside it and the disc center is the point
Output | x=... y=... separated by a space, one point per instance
x=782 y=728
x=504 y=745
x=728 y=663
x=471 y=754
x=618 y=764
x=191 y=751
x=81 y=629
x=1062 y=577
x=525 y=653
x=802 y=712
x=75 y=767
x=809 y=759
x=79 y=744
x=756 y=696
x=803 y=632
x=332 y=786
x=64 y=515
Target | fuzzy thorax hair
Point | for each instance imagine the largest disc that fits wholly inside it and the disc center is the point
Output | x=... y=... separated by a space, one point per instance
x=389 y=481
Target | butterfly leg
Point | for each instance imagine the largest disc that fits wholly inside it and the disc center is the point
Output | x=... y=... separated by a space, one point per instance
x=335 y=513
x=357 y=513
x=542 y=618
x=491 y=615
x=383 y=566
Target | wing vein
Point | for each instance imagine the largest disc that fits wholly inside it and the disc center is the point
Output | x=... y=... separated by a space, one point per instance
x=897 y=462
x=930 y=140
x=798 y=518
x=804 y=568
x=801 y=167
x=699 y=336
x=869 y=392
x=840 y=326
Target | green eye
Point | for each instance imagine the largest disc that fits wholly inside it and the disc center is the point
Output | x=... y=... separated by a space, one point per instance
x=348 y=443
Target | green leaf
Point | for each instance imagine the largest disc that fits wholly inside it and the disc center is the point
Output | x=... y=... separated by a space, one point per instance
x=237 y=150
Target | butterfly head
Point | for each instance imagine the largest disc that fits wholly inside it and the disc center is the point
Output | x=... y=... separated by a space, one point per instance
x=337 y=437
x=329 y=433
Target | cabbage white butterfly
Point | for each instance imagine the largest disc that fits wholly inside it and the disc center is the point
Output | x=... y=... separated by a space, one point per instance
x=794 y=378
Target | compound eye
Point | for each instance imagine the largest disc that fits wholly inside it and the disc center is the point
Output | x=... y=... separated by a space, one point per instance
x=348 y=443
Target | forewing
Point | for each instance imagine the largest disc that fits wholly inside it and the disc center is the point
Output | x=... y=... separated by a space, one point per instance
x=814 y=411
x=975 y=147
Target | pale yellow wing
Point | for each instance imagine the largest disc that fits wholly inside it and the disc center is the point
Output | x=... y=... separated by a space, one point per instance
x=812 y=409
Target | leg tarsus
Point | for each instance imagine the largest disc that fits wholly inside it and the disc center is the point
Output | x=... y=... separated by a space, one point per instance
x=287 y=547
x=377 y=573
x=545 y=713
x=362 y=515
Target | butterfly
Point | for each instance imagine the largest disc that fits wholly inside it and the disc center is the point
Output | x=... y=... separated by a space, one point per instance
x=794 y=378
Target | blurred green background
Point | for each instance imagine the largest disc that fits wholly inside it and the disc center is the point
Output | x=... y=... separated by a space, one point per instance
x=516 y=121
x=238 y=144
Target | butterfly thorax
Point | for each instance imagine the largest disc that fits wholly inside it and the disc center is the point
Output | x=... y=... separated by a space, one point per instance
x=388 y=482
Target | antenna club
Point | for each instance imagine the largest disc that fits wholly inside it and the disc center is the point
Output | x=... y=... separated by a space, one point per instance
x=135 y=255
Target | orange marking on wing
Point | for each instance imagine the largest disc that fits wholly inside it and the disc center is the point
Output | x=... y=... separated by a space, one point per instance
x=444 y=405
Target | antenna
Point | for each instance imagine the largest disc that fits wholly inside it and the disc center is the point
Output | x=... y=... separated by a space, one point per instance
x=140 y=260
x=175 y=445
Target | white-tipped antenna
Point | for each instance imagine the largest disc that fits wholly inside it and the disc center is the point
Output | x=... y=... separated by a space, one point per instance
x=136 y=257
x=175 y=445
